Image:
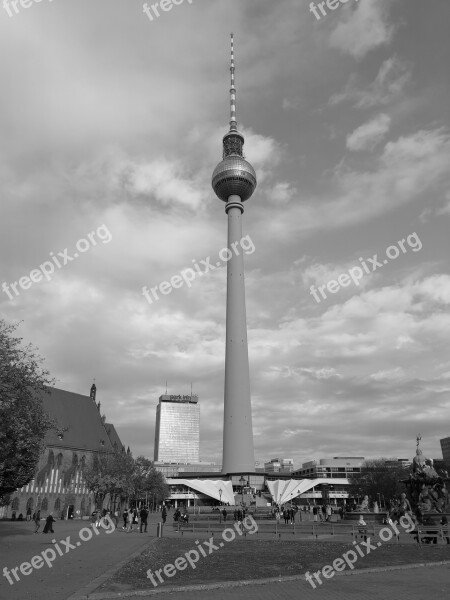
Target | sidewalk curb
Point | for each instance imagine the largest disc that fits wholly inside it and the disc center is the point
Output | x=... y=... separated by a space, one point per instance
x=228 y=584
x=85 y=592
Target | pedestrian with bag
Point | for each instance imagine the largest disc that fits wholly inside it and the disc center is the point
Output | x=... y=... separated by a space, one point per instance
x=37 y=520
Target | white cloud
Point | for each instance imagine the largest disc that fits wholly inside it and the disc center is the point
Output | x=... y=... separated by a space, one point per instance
x=445 y=210
x=388 y=375
x=363 y=29
x=388 y=86
x=367 y=136
x=281 y=193
x=407 y=168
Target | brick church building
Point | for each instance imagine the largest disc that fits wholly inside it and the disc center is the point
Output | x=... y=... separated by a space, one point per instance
x=80 y=434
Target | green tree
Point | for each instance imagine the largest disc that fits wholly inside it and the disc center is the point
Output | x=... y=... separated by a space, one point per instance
x=148 y=482
x=111 y=474
x=23 y=421
x=124 y=478
x=378 y=478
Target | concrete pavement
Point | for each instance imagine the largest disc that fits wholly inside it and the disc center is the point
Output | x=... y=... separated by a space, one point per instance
x=77 y=566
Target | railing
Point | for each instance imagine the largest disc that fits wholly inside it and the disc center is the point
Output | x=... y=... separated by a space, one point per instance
x=316 y=530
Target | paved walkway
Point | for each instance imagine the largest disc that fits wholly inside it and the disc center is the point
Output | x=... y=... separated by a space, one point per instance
x=69 y=572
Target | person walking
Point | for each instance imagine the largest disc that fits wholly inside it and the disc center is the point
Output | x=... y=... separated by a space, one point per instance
x=129 y=521
x=143 y=515
x=445 y=530
x=94 y=518
x=164 y=514
x=314 y=513
x=49 y=524
x=37 y=520
x=224 y=513
x=125 y=518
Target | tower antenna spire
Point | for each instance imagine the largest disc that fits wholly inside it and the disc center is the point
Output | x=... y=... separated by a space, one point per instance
x=233 y=122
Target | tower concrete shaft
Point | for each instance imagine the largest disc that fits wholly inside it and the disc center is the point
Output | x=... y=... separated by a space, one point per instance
x=234 y=181
x=238 y=453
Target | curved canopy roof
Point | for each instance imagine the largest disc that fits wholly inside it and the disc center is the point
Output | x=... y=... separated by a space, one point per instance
x=283 y=491
x=209 y=487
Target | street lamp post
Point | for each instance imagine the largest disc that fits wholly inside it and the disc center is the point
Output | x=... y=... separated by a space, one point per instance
x=220 y=495
x=242 y=482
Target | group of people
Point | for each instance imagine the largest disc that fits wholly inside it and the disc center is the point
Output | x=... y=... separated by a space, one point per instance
x=286 y=512
x=134 y=518
x=239 y=514
x=180 y=517
x=48 y=527
x=322 y=513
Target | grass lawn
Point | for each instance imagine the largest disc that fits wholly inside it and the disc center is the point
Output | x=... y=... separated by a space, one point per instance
x=258 y=559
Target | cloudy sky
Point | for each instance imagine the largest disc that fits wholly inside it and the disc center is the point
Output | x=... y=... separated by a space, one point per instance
x=111 y=125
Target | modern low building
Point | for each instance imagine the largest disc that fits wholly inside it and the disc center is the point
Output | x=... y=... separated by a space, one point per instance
x=279 y=465
x=331 y=468
x=177 y=433
x=316 y=482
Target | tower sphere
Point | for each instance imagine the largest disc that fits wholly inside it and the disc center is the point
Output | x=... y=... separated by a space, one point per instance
x=234 y=176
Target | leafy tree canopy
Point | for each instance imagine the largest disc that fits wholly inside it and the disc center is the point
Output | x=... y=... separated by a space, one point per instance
x=23 y=421
x=125 y=478
x=379 y=476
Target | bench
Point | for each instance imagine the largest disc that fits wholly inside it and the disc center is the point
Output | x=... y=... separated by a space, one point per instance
x=428 y=534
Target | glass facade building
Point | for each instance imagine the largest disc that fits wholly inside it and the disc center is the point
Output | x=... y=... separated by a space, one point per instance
x=445 y=446
x=177 y=433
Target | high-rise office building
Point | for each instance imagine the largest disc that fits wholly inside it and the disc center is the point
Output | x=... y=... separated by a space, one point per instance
x=445 y=446
x=177 y=433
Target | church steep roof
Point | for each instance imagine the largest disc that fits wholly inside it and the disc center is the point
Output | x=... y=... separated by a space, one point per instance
x=114 y=438
x=78 y=422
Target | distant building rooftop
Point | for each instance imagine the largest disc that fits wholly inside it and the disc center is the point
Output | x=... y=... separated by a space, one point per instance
x=178 y=398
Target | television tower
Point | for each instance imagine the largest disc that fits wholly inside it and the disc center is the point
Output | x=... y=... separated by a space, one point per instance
x=234 y=181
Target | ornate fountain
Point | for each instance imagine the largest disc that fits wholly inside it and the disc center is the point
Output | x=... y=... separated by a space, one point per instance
x=427 y=489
